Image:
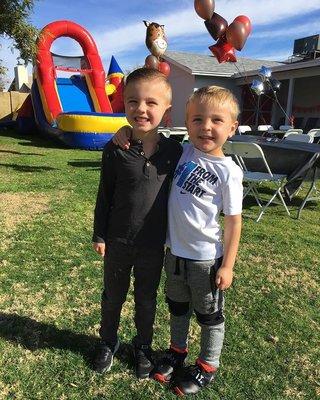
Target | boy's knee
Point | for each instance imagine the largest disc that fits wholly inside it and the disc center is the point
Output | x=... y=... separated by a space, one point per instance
x=210 y=319
x=178 y=308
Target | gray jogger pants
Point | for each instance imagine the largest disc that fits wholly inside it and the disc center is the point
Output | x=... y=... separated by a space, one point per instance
x=190 y=286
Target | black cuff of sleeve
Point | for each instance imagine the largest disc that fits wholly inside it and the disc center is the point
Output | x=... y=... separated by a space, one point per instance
x=97 y=239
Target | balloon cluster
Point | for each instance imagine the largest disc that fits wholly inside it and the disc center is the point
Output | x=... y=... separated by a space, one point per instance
x=229 y=37
x=265 y=83
x=156 y=42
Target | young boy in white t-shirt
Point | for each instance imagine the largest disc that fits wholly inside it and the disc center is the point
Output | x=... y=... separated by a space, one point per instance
x=199 y=264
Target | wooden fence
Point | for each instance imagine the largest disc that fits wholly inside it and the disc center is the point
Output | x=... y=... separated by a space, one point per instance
x=10 y=102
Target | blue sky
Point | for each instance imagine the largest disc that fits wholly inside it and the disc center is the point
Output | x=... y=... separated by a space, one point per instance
x=118 y=29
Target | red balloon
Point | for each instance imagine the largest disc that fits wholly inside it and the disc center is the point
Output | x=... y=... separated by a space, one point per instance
x=216 y=26
x=223 y=51
x=236 y=34
x=246 y=21
x=164 y=68
x=151 y=62
x=204 y=8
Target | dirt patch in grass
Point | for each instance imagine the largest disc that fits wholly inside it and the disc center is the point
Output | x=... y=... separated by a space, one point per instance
x=18 y=208
x=293 y=277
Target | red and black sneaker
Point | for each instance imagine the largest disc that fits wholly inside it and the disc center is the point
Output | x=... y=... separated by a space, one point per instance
x=168 y=365
x=193 y=380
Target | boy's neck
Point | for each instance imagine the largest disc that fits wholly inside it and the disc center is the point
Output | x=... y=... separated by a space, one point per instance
x=216 y=153
x=146 y=137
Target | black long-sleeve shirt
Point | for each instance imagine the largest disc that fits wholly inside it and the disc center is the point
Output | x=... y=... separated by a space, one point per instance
x=131 y=204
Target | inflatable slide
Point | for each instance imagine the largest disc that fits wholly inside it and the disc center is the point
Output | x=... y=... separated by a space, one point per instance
x=77 y=109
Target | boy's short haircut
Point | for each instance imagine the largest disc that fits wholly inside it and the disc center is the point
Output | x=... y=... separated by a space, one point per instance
x=218 y=96
x=149 y=74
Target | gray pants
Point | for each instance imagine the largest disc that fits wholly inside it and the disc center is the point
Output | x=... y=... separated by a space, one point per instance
x=190 y=286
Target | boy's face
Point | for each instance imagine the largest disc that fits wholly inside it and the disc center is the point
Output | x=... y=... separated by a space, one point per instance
x=145 y=104
x=209 y=126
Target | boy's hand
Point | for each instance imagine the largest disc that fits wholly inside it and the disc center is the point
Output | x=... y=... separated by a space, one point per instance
x=121 y=138
x=100 y=248
x=224 y=278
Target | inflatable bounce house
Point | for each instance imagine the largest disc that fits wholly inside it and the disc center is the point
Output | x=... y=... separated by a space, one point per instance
x=81 y=111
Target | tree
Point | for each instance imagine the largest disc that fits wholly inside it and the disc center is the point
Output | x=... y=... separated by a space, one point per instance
x=14 y=24
x=3 y=71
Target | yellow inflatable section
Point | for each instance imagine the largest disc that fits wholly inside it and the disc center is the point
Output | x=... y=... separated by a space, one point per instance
x=91 y=123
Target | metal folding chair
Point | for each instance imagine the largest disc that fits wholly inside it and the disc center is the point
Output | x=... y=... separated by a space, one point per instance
x=285 y=127
x=313 y=193
x=243 y=129
x=265 y=128
x=179 y=132
x=293 y=130
x=315 y=134
x=243 y=152
x=298 y=137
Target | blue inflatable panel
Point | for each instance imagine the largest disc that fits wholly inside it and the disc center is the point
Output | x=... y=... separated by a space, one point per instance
x=74 y=94
x=87 y=141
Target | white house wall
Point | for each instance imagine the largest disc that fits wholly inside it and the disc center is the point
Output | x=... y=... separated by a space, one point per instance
x=227 y=83
x=184 y=84
x=182 y=87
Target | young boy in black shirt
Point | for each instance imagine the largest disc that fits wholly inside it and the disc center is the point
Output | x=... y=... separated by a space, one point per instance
x=131 y=216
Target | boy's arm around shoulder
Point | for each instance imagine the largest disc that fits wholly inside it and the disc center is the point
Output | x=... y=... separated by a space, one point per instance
x=104 y=197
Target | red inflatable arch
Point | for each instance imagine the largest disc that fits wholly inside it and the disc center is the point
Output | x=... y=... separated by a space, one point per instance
x=45 y=69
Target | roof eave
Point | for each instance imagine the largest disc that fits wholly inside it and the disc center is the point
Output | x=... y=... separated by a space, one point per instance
x=281 y=68
x=211 y=73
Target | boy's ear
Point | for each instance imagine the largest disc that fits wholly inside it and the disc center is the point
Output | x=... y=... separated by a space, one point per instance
x=168 y=110
x=233 y=129
x=166 y=115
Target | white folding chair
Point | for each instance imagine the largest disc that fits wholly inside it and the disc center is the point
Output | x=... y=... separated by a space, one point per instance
x=243 y=151
x=313 y=193
x=298 y=137
x=265 y=128
x=294 y=130
x=285 y=127
x=165 y=132
x=181 y=133
x=314 y=133
x=243 y=129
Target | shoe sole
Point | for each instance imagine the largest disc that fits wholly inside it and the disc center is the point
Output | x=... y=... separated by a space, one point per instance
x=143 y=376
x=177 y=391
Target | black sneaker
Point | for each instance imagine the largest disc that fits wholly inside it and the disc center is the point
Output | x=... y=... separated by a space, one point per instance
x=168 y=365
x=194 y=379
x=143 y=361
x=104 y=357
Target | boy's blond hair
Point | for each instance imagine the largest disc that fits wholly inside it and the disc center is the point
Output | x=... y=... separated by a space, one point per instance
x=216 y=96
x=149 y=74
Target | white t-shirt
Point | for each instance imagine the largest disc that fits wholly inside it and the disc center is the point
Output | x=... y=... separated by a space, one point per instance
x=202 y=187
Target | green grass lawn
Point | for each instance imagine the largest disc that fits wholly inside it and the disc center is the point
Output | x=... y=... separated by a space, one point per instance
x=51 y=282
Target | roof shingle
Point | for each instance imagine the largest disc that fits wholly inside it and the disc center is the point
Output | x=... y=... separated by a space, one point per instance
x=202 y=64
